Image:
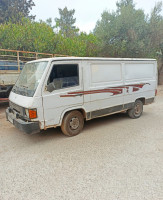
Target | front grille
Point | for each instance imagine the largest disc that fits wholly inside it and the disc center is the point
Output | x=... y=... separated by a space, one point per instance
x=17 y=108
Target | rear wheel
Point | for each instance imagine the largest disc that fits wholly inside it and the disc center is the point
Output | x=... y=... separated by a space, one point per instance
x=72 y=123
x=136 y=111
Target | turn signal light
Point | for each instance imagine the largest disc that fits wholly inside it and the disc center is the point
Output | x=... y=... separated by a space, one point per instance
x=32 y=114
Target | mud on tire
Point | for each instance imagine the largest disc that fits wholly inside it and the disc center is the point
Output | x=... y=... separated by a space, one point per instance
x=72 y=123
x=136 y=111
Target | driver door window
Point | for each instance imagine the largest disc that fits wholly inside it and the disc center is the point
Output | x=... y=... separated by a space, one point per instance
x=63 y=76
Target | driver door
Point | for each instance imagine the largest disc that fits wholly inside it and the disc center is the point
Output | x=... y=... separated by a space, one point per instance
x=63 y=81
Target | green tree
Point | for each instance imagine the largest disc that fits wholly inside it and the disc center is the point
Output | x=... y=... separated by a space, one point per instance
x=122 y=32
x=39 y=36
x=156 y=29
x=79 y=45
x=27 y=36
x=155 y=45
x=66 y=22
x=124 y=3
x=14 y=10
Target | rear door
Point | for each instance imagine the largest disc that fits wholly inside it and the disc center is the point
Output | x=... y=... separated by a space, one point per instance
x=62 y=86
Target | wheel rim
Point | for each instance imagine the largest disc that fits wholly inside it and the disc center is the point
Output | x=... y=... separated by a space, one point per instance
x=137 y=109
x=74 y=123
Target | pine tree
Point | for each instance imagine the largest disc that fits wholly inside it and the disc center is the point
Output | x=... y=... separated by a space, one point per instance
x=66 y=22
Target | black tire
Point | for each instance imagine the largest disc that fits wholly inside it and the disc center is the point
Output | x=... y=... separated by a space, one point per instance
x=72 y=123
x=136 y=111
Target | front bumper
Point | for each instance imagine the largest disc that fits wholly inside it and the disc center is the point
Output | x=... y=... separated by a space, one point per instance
x=25 y=126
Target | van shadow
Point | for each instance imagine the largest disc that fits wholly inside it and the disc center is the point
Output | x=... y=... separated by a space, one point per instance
x=102 y=121
x=56 y=133
x=51 y=133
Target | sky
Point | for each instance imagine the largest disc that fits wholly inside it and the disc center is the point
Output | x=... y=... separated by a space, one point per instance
x=87 y=12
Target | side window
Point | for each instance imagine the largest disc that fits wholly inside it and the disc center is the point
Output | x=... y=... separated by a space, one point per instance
x=63 y=76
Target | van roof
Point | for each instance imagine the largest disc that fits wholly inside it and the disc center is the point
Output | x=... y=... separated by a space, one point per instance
x=92 y=59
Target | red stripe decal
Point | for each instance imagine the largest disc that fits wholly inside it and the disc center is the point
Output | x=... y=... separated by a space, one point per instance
x=113 y=90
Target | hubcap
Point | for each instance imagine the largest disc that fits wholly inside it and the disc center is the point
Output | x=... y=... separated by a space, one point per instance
x=137 y=109
x=74 y=123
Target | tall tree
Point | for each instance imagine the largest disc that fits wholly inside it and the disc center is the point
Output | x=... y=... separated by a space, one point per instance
x=14 y=10
x=66 y=22
x=155 y=44
x=122 y=32
x=156 y=27
x=124 y=3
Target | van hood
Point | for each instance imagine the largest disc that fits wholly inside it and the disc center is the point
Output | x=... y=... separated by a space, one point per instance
x=21 y=100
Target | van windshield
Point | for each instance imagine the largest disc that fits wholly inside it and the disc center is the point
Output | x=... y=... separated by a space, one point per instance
x=29 y=78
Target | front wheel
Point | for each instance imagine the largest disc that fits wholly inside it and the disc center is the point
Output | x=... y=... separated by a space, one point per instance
x=72 y=123
x=136 y=111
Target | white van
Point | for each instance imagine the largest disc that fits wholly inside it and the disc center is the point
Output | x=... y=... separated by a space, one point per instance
x=68 y=91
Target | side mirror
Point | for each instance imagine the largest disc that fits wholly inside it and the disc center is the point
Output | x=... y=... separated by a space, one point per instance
x=50 y=87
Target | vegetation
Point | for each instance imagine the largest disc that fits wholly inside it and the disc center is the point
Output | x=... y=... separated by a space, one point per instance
x=14 y=10
x=66 y=22
x=28 y=35
x=126 y=32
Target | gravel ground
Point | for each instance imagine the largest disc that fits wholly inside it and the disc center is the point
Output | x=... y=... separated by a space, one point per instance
x=114 y=158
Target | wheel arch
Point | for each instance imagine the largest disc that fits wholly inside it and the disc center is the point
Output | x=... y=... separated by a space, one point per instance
x=82 y=110
x=142 y=99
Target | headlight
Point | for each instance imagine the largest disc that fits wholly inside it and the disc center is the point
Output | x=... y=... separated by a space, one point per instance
x=26 y=112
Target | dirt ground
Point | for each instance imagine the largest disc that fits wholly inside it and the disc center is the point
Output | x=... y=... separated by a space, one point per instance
x=114 y=158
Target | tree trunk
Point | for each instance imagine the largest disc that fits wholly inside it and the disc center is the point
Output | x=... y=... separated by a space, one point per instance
x=160 y=71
